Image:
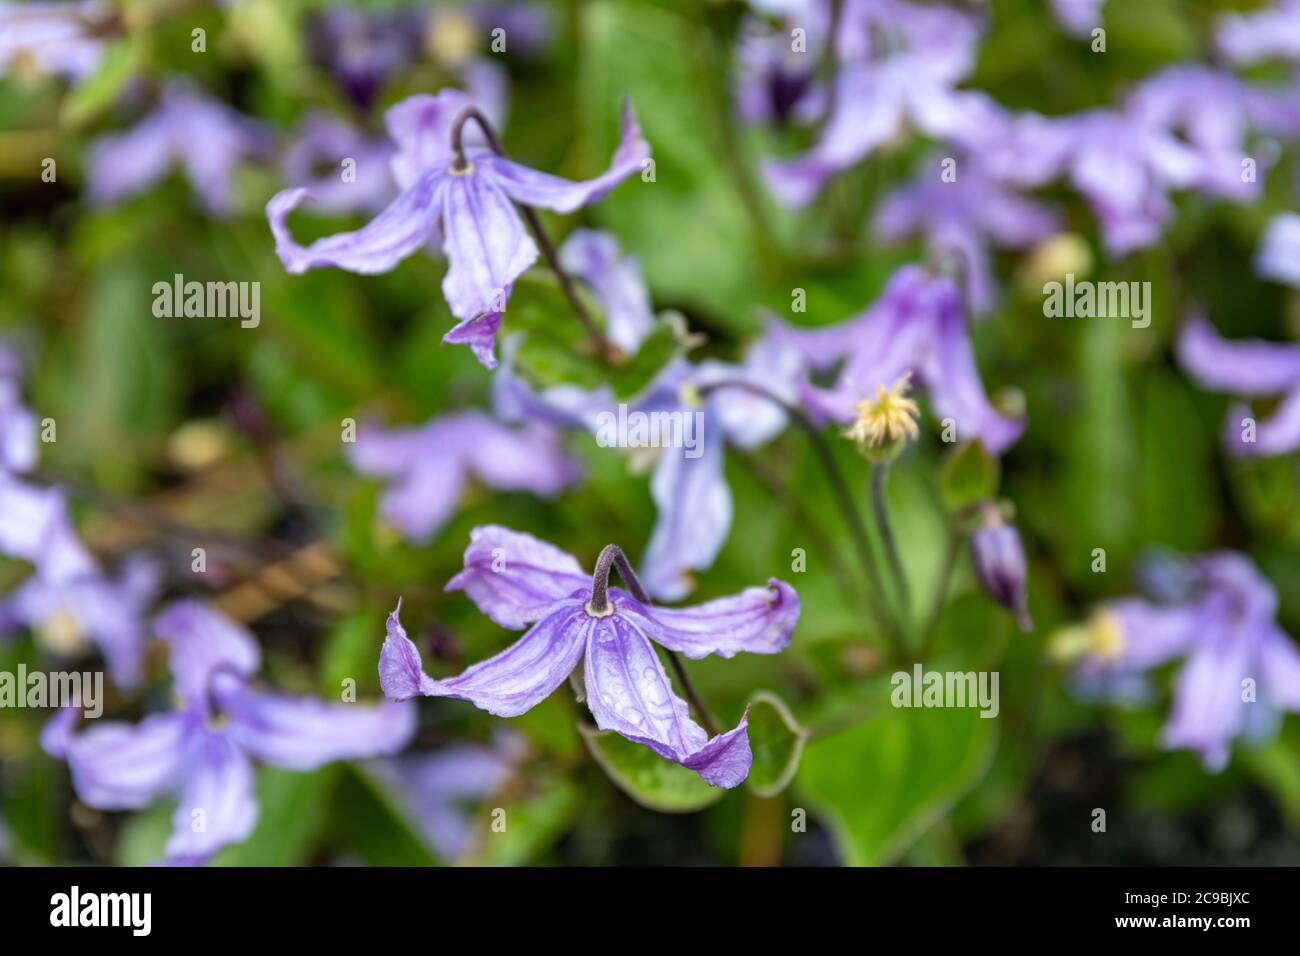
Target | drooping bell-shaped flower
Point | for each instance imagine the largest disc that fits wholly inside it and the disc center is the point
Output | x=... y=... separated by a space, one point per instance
x=1268 y=33
x=615 y=280
x=572 y=619
x=1249 y=368
x=998 y=555
x=428 y=466
x=204 y=749
x=464 y=194
x=56 y=38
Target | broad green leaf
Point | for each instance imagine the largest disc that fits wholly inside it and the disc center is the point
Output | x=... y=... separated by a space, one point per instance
x=882 y=783
x=525 y=823
x=776 y=740
x=646 y=777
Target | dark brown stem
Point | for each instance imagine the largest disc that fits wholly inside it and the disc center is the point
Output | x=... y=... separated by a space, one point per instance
x=460 y=165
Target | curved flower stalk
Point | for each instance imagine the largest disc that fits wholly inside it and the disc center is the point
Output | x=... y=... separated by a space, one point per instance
x=67 y=600
x=463 y=194
x=1240 y=670
x=204 y=748
x=1271 y=33
x=573 y=618
x=188 y=129
x=52 y=38
x=963 y=217
x=1251 y=368
x=916 y=327
x=429 y=465
x=314 y=161
x=899 y=63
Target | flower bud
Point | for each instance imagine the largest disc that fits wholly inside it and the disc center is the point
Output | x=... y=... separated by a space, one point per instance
x=999 y=560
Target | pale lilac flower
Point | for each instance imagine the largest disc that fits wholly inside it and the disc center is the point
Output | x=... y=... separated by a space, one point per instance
x=204 y=749
x=917 y=326
x=485 y=240
x=999 y=558
x=899 y=63
x=18 y=436
x=1273 y=32
x=1278 y=256
x=188 y=130
x=365 y=48
x=519 y=582
x=437 y=790
x=962 y=216
x=56 y=38
x=428 y=466
x=1250 y=368
x=615 y=280
x=1079 y=17
x=1239 y=671
x=314 y=161
x=775 y=83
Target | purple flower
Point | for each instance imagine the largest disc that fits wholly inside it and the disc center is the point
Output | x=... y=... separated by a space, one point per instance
x=963 y=216
x=364 y=48
x=436 y=788
x=1239 y=672
x=469 y=205
x=314 y=161
x=899 y=64
x=205 y=747
x=1249 y=367
x=18 y=443
x=1278 y=257
x=775 y=83
x=519 y=581
x=615 y=280
x=917 y=326
x=1251 y=37
x=203 y=137
x=53 y=38
x=428 y=466
x=999 y=559
x=1078 y=16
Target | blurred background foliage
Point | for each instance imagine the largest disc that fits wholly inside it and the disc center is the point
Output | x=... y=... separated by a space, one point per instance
x=177 y=432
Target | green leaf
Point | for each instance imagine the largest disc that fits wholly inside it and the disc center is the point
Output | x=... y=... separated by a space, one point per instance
x=776 y=740
x=646 y=777
x=531 y=824
x=969 y=475
x=881 y=784
x=122 y=61
x=292 y=813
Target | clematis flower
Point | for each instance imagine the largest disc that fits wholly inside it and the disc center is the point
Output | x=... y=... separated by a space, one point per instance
x=999 y=558
x=203 y=137
x=55 y=38
x=429 y=465
x=204 y=749
x=464 y=199
x=1273 y=32
x=1251 y=368
x=519 y=582
x=365 y=48
x=1240 y=671
x=615 y=280
x=899 y=63
x=964 y=216
x=18 y=443
x=775 y=83
x=437 y=789
x=917 y=326
x=1079 y=17
x=1278 y=256
x=314 y=161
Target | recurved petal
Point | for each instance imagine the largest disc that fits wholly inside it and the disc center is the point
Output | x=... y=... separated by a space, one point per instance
x=1278 y=434
x=401 y=673
x=757 y=620
x=532 y=188
x=120 y=766
x=1279 y=665
x=514 y=578
x=202 y=642
x=1208 y=711
x=217 y=805
x=485 y=242
x=526 y=672
x=725 y=760
x=404 y=226
x=1243 y=367
x=480 y=334
x=302 y=733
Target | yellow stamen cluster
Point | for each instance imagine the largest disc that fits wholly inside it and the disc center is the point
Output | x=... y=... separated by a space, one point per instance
x=1100 y=639
x=888 y=418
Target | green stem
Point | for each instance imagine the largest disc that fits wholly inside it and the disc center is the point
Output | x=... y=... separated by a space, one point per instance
x=879 y=476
